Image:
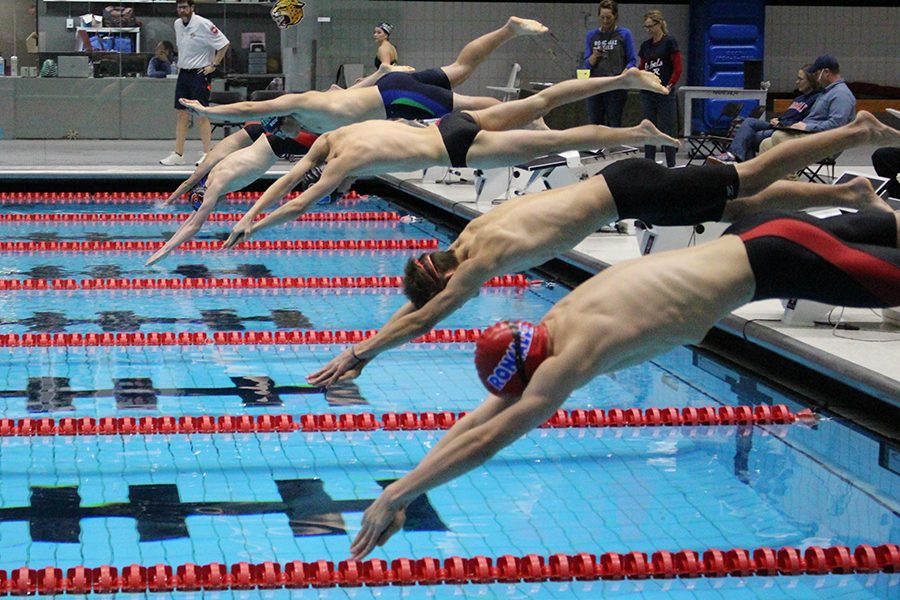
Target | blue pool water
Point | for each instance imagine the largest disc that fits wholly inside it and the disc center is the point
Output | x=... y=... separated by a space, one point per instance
x=256 y=497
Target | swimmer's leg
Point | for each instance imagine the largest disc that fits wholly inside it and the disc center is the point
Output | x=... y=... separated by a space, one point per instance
x=232 y=143
x=477 y=51
x=461 y=102
x=234 y=173
x=519 y=113
x=849 y=260
x=793 y=155
x=795 y=195
x=505 y=148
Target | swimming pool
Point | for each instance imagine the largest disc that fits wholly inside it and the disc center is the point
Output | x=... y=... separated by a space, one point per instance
x=201 y=498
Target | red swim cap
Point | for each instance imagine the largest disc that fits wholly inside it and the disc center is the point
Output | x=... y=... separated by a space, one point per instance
x=507 y=354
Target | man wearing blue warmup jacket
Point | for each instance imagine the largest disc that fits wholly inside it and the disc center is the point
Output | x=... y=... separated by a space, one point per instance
x=608 y=50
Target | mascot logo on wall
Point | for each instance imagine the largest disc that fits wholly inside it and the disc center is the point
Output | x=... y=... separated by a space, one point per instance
x=287 y=13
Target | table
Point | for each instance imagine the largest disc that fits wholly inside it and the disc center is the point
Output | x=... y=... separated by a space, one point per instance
x=251 y=81
x=689 y=93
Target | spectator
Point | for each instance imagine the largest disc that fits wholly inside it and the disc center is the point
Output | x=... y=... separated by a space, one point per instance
x=201 y=48
x=835 y=107
x=660 y=55
x=163 y=61
x=387 y=52
x=608 y=50
x=752 y=132
x=887 y=164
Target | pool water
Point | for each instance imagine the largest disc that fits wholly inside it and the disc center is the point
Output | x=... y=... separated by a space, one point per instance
x=202 y=498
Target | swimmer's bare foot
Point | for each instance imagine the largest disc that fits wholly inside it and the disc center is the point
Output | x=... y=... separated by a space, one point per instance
x=636 y=79
x=646 y=133
x=876 y=132
x=860 y=195
x=397 y=68
x=521 y=26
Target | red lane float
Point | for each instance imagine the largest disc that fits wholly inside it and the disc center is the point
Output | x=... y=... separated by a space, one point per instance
x=231 y=283
x=453 y=570
x=197 y=338
x=143 y=246
x=166 y=217
x=136 y=197
x=405 y=421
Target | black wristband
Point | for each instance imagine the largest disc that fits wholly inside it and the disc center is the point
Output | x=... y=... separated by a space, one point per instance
x=358 y=359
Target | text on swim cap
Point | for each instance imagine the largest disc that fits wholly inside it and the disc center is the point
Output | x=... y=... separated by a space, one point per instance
x=508 y=364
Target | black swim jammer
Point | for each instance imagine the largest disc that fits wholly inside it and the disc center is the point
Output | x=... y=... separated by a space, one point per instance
x=290 y=147
x=458 y=131
x=644 y=190
x=417 y=95
x=848 y=260
x=283 y=147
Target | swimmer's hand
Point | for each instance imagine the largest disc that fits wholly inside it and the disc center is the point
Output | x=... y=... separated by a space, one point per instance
x=342 y=367
x=157 y=256
x=193 y=105
x=380 y=521
x=240 y=234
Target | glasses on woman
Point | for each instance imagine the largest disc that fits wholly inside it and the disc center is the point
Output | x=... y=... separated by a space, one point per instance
x=650 y=26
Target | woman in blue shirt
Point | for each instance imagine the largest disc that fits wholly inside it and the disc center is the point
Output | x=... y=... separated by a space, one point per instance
x=608 y=50
x=162 y=63
x=752 y=132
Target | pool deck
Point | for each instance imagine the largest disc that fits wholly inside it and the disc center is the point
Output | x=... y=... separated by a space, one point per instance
x=866 y=358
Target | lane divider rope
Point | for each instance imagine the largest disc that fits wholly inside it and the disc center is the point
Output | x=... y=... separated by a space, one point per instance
x=455 y=570
x=128 y=246
x=200 y=338
x=132 y=197
x=203 y=283
x=164 y=217
x=762 y=414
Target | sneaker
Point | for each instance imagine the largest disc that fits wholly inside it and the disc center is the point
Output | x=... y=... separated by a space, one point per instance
x=201 y=159
x=725 y=157
x=172 y=160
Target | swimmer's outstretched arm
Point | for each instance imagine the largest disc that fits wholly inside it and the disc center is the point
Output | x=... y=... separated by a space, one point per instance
x=187 y=230
x=234 y=142
x=470 y=442
x=278 y=190
x=406 y=324
x=245 y=111
x=289 y=211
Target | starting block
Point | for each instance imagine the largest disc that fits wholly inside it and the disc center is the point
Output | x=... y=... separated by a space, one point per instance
x=499 y=184
x=654 y=239
x=447 y=175
x=579 y=165
x=545 y=172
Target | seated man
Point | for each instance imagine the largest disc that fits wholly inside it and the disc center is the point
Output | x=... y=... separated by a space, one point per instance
x=535 y=228
x=636 y=310
x=887 y=164
x=398 y=95
x=835 y=107
x=751 y=132
x=234 y=163
x=375 y=147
